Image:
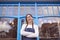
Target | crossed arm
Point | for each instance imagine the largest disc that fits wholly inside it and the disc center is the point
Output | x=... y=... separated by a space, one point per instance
x=29 y=34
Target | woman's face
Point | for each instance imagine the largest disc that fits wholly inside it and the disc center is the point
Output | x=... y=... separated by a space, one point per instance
x=29 y=18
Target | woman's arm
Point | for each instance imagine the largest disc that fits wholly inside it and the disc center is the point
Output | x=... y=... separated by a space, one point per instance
x=36 y=34
x=23 y=32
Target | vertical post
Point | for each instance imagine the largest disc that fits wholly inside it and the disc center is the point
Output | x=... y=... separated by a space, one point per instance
x=47 y=10
x=6 y=11
x=53 y=11
x=47 y=14
x=12 y=10
x=1 y=10
x=36 y=17
x=19 y=24
x=58 y=11
x=42 y=11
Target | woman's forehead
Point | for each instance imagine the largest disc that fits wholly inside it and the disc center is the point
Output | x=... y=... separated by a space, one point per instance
x=28 y=15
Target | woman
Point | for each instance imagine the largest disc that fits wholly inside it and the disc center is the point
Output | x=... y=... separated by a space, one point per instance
x=29 y=30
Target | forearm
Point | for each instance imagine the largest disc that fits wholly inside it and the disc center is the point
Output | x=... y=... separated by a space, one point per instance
x=24 y=33
x=33 y=35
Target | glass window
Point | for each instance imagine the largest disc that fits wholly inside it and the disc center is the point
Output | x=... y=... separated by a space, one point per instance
x=44 y=8
x=27 y=10
x=0 y=10
x=50 y=11
x=55 y=10
x=59 y=9
x=8 y=28
x=49 y=28
x=15 y=10
x=40 y=11
x=4 y=10
x=9 y=11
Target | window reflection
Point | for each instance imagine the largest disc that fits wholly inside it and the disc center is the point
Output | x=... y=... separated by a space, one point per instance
x=50 y=10
x=8 y=28
x=9 y=11
x=55 y=10
x=27 y=10
x=45 y=13
x=49 y=28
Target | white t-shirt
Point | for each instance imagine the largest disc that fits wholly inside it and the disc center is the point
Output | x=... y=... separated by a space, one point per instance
x=29 y=34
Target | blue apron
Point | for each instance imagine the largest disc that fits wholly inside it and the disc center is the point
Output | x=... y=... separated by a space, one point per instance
x=29 y=30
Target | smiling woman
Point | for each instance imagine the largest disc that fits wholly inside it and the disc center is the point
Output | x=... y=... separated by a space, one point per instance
x=29 y=30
